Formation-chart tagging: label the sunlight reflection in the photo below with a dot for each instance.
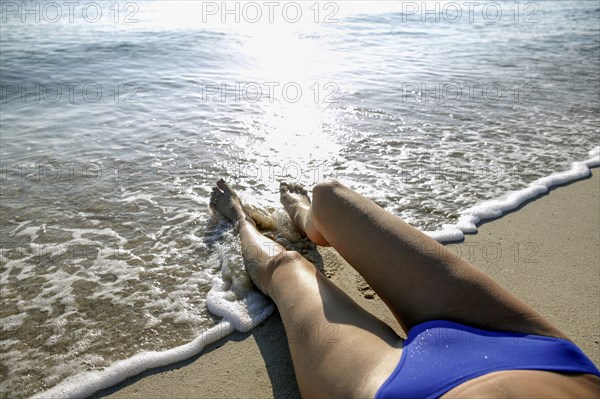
(287, 127)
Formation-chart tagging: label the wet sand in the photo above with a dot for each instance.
(547, 252)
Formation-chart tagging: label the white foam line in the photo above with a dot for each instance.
(470, 218)
(249, 310)
(86, 384)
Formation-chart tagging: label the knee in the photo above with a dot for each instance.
(325, 195)
(284, 268)
(325, 187)
(325, 191)
(284, 258)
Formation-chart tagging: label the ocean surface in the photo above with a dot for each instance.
(117, 118)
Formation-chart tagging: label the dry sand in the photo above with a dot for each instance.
(547, 252)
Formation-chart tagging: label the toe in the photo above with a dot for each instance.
(224, 186)
(283, 187)
(297, 188)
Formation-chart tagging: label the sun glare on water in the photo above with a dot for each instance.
(286, 75)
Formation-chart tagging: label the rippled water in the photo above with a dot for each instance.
(106, 249)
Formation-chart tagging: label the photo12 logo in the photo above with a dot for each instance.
(69, 12)
(68, 92)
(66, 172)
(252, 92)
(469, 92)
(470, 12)
(269, 11)
(271, 172)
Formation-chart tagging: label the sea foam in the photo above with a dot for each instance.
(495, 208)
(85, 384)
(242, 307)
(231, 297)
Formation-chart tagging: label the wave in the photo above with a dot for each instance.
(495, 208)
(244, 309)
(230, 297)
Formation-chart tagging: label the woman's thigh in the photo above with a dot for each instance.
(418, 278)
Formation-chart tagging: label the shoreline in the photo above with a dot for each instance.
(546, 251)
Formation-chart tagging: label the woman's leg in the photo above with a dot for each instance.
(418, 278)
(338, 349)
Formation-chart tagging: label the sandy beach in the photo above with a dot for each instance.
(547, 252)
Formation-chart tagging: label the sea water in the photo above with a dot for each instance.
(117, 118)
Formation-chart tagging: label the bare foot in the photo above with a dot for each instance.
(226, 202)
(297, 204)
(295, 201)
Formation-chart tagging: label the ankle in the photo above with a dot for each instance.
(301, 215)
(244, 220)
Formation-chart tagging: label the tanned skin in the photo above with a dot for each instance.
(416, 277)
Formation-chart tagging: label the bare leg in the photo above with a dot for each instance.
(418, 278)
(338, 349)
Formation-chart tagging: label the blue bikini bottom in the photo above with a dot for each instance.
(439, 355)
